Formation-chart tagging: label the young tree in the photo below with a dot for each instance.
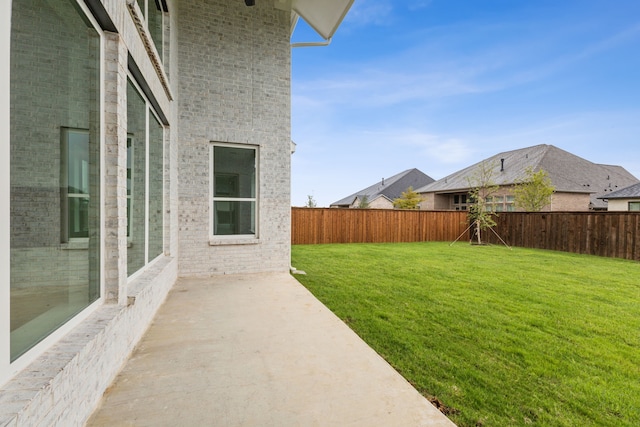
(533, 192)
(311, 202)
(364, 202)
(408, 200)
(482, 186)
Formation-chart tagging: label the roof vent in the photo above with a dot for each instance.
(382, 181)
(501, 165)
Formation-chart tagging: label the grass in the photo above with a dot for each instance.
(500, 337)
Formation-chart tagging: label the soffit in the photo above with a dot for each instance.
(323, 16)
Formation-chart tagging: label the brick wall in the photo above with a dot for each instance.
(234, 87)
(570, 202)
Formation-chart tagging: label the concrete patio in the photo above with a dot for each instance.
(257, 350)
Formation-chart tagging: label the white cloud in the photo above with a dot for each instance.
(385, 86)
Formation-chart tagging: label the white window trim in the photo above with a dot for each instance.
(5, 189)
(234, 239)
(148, 111)
(7, 368)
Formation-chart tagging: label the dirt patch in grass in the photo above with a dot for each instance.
(442, 407)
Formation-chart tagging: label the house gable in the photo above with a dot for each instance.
(391, 188)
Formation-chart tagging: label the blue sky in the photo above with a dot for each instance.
(439, 85)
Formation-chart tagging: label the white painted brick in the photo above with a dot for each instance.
(236, 89)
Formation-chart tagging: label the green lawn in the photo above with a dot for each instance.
(501, 337)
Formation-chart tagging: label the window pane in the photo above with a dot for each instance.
(75, 176)
(154, 21)
(155, 187)
(234, 217)
(142, 7)
(77, 161)
(78, 214)
(634, 206)
(136, 129)
(234, 165)
(55, 75)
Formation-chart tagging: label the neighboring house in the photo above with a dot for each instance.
(578, 183)
(141, 141)
(382, 194)
(624, 200)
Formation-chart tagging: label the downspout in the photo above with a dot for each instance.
(326, 42)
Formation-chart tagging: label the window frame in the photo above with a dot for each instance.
(460, 201)
(65, 195)
(234, 238)
(9, 368)
(149, 112)
(5, 193)
(148, 6)
(634, 203)
(130, 182)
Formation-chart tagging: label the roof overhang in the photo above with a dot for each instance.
(323, 16)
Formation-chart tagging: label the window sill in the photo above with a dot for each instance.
(217, 241)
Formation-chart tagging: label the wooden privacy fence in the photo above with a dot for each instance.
(607, 234)
(331, 225)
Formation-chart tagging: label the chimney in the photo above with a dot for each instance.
(501, 165)
(382, 181)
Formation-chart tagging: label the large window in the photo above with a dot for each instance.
(634, 206)
(234, 175)
(145, 176)
(55, 141)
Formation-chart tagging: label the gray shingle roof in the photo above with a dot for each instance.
(391, 188)
(631, 192)
(568, 172)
